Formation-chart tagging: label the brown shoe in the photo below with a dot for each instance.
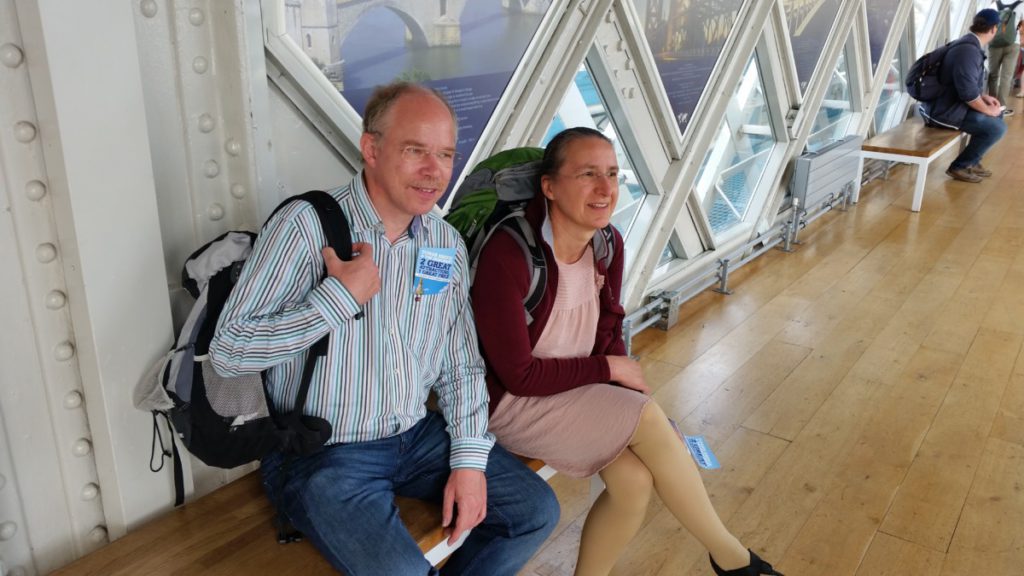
(979, 170)
(963, 175)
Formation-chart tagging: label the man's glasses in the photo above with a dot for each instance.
(417, 154)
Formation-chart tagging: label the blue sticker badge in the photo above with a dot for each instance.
(433, 271)
(698, 448)
(702, 452)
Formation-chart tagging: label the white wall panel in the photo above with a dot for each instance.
(93, 127)
(304, 160)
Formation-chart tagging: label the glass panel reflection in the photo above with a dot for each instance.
(881, 14)
(809, 25)
(956, 17)
(686, 38)
(736, 161)
(921, 24)
(465, 49)
(582, 106)
(885, 114)
(833, 120)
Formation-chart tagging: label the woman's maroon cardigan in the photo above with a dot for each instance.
(506, 341)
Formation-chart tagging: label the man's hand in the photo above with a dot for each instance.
(359, 276)
(627, 372)
(467, 489)
(990, 100)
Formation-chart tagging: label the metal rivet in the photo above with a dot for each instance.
(35, 190)
(11, 55)
(72, 399)
(216, 212)
(64, 351)
(8, 530)
(46, 252)
(200, 65)
(211, 168)
(90, 491)
(196, 17)
(238, 191)
(98, 534)
(231, 146)
(148, 8)
(82, 447)
(24, 132)
(206, 123)
(55, 300)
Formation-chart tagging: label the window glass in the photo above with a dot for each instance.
(582, 106)
(890, 98)
(465, 49)
(686, 38)
(881, 14)
(921, 23)
(833, 120)
(734, 165)
(667, 255)
(956, 17)
(809, 27)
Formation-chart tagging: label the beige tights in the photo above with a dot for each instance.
(656, 457)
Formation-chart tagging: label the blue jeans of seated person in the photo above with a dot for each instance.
(985, 131)
(342, 499)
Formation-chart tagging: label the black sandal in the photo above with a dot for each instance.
(757, 567)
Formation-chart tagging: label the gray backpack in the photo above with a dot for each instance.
(230, 421)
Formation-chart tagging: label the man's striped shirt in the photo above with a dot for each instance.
(379, 369)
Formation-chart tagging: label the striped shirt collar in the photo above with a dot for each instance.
(363, 215)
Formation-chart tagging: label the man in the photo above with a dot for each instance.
(1003, 51)
(963, 105)
(391, 343)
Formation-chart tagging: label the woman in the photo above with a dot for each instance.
(546, 376)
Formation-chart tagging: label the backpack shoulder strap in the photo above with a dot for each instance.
(604, 246)
(339, 237)
(332, 220)
(523, 234)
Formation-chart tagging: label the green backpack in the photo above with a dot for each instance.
(1006, 30)
(494, 196)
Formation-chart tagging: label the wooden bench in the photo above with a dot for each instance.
(230, 531)
(914, 143)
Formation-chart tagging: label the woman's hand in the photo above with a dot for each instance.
(627, 372)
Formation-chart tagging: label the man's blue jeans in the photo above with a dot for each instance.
(985, 131)
(342, 499)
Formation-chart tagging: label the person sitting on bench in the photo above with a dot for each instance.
(391, 348)
(963, 105)
(547, 377)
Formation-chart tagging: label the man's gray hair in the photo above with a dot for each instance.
(384, 97)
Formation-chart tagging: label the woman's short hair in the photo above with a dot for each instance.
(554, 152)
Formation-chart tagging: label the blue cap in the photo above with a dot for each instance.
(990, 17)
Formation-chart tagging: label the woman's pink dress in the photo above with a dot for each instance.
(580, 431)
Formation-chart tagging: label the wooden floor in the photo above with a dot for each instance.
(865, 395)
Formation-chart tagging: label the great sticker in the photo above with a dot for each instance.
(433, 270)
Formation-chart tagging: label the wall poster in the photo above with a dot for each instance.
(466, 49)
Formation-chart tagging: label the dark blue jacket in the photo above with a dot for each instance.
(963, 76)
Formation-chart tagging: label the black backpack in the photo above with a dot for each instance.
(227, 422)
(923, 77)
(494, 196)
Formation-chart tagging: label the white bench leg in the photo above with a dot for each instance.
(855, 197)
(922, 173)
